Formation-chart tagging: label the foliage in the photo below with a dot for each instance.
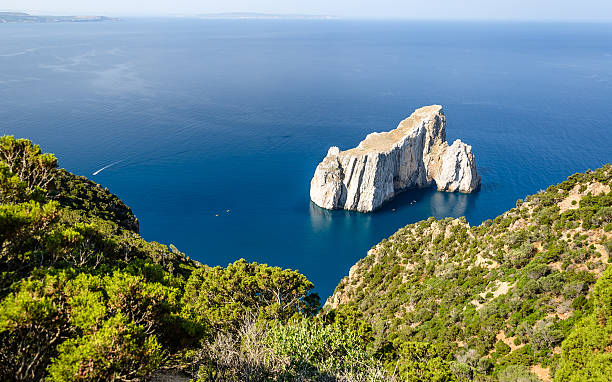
(84, 297)
(91, 200)
(224, 297)
(300, 350)
(118, 350)
(587, 354)
(516, 373)
(520, 280)
(349, 318)
(32, 324)
(421, 362)
(25, 167)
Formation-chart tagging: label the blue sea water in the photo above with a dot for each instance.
(213, 128)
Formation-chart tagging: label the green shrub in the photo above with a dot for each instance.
(118, 350)
(516, 373)
(225, 297)
(501, 348)
(299, 350)
(586, 351)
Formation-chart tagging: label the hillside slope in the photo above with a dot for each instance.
(497, 298)
(84, 298)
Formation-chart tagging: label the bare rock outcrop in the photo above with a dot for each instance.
(415, 154)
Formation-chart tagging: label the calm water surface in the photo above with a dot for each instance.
(198, 117)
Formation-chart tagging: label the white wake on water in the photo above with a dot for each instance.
(105, 167)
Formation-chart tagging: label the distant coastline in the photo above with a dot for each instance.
(20, 17)
(265, 16)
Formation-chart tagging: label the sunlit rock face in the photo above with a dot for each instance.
(415, 154)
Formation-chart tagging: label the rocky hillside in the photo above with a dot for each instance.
(497, 297)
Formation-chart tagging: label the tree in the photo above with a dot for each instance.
(223, 297)
(349, 318)
(120, 350)
(33, 321)
(26, 161)
(587, 351)
(421, 362)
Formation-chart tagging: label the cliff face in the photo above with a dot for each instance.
(415, 154)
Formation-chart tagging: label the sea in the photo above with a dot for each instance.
(210, 130)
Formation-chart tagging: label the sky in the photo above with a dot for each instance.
(546, 10)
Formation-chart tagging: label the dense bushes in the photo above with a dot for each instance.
(523, 277)
(84, 297)
(299, 350)
(118, 350)
(25, 171)
(108, 321)
(224, 297)
(587, 354)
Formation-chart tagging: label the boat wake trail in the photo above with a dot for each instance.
(146, 157)
(105, 167)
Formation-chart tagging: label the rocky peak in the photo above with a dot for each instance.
(415, 154)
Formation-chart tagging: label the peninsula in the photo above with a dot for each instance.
(20, 17)
(263, 16)
(413, 155)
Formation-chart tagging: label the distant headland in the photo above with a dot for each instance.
(266, 16)
(20, 17)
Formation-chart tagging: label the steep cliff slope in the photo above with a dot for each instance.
(84, 298)
(415, 154)
(499, 295)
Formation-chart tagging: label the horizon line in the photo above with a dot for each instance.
(296, 16)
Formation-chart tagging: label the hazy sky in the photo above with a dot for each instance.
(596, 10)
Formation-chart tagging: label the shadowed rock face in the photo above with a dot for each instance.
(415, 154)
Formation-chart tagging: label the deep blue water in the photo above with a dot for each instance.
(202, 116)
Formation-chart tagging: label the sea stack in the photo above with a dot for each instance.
(413, 155)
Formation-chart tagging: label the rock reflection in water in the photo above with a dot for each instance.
(444, 204)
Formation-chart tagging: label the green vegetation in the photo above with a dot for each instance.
(301, 350)
(84, 297)
(587, 351)
(503, 299)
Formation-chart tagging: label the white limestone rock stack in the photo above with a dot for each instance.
(415, 154)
